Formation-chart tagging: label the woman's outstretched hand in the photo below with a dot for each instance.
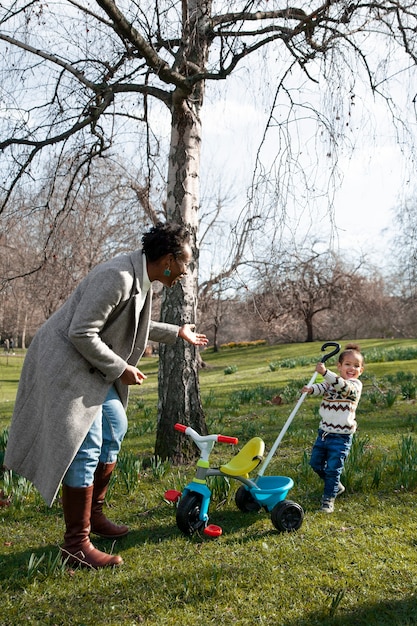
(187, 332)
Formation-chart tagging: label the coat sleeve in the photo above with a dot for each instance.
(103, 295)
(163, 333)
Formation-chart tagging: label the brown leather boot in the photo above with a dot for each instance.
(76, 502)
(100, 525)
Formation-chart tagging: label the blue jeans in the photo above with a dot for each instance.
(102, 442)
(328, 458)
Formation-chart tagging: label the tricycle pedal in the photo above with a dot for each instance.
(172, 495)
(213, 531)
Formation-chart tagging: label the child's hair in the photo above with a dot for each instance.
(350, 349)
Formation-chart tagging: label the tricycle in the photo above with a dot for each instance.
(268, 492)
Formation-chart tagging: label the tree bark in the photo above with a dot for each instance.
(179, 391)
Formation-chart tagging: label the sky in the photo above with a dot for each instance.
(376, 176)
(373, 185)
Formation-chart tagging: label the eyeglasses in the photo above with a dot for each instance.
(182, 265)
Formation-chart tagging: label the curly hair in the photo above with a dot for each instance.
(163, 239)
(350, 349)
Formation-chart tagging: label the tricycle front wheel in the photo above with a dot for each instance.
(188, 513)
(287, 516)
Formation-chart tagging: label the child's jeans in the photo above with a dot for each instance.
(102, 442)
(328, 458)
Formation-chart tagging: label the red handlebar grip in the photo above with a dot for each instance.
(224, 439)
(181, 427)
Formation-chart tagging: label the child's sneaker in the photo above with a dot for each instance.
(340, 489)
(327, 505)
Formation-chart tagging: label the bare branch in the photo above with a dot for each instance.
(50, 57)
(143, 195)
(129, 33)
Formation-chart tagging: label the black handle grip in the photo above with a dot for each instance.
(326, 345)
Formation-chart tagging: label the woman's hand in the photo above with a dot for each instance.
(132, 376)
(188, 333)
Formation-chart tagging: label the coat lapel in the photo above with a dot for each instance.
(144, 311)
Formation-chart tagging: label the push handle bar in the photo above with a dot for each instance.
(278, 440)
(326, 345)
(194, 435)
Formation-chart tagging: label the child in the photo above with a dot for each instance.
(341, 394)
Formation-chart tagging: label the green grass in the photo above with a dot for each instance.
(355, 567)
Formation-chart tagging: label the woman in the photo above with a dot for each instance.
(69, 418)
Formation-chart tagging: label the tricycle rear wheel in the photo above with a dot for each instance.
(245, 501)
(287, 516)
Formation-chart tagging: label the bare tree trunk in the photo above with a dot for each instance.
(215, 345)
(23, 332)
(310, 328)
(179, 394)
(179, 391)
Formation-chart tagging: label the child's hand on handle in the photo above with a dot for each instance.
(321, 368)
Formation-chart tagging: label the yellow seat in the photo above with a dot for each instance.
(246, 460)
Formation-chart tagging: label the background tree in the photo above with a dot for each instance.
(372, 311)
(78, 80)
(302, 285)
(404, 248)
(48, 254)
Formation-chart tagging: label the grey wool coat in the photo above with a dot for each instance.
(73, 360)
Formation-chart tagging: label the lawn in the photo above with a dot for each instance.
(355, 567)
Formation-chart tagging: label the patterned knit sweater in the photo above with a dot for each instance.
(338, 407)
